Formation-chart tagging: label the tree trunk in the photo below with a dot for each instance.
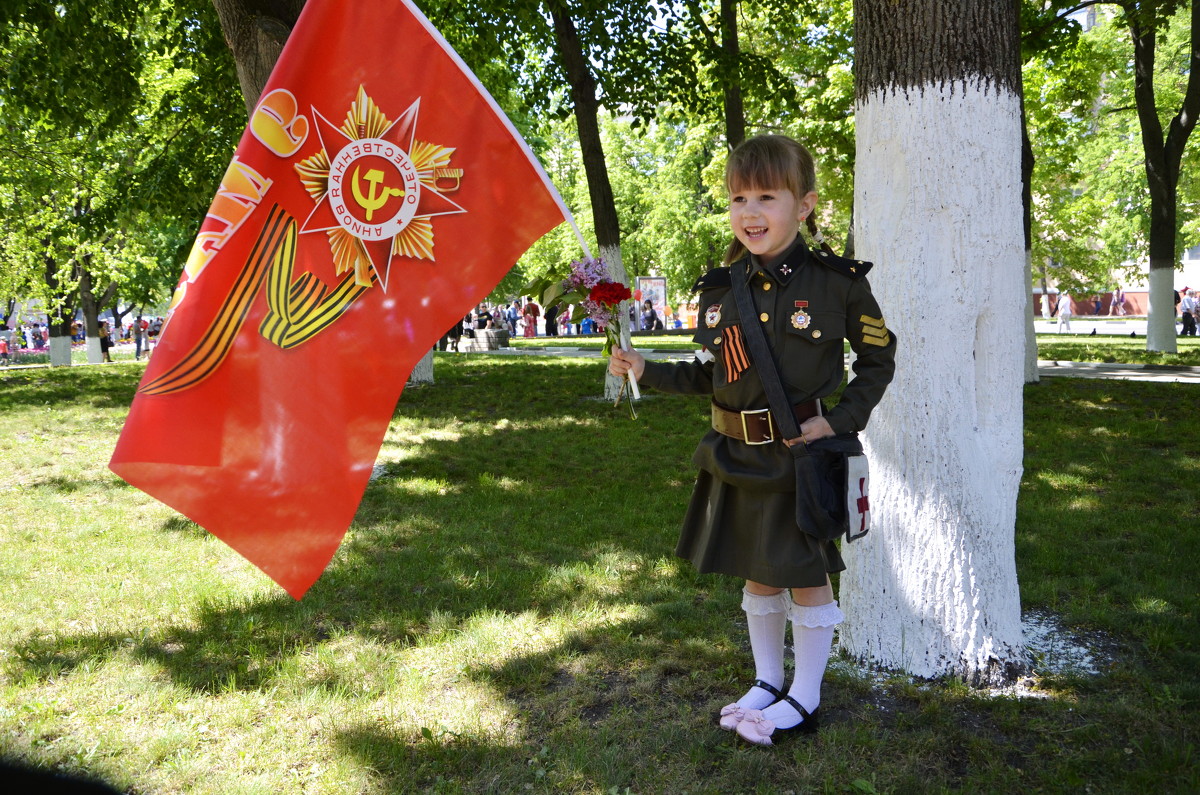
(255, 31)
(735, 114)
(587, 110)
(91, 305)
(933, 589)
(1163, 157)
(1027, 163)
(1031, 352)
(61, 314)
(91, 317)
(422, 372)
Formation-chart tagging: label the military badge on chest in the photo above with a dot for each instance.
(712, 316)
(800, 318)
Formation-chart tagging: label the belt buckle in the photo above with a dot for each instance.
(770, 426)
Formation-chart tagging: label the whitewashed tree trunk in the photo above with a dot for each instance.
(1160, 324)
(1031, 351)
(94, 354)
(60, 351)
(616, 269)
(422, 372)
(933, 589)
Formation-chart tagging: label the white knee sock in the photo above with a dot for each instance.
(766, 617)
(812, 637)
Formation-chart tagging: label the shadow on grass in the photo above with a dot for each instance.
(511, 509)
(493, 532)
(182, 524)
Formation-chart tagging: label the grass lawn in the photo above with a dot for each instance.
(1110, 350)
(506, 614)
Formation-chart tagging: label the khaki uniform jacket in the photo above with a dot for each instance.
(807, 304)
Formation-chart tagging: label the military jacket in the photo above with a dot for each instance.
(807, 304)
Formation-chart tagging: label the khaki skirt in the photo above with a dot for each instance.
(754, 536)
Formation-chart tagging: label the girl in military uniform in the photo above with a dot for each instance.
(742, 517)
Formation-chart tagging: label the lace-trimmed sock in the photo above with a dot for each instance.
(766, 617)
(812, 634)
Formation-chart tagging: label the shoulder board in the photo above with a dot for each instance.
(717, 277)
(854, 268)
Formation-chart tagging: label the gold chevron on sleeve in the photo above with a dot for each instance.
(880, 340)
(874, 332)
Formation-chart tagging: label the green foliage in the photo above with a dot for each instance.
(114, 175)
(1091, 202)
(1062, 92)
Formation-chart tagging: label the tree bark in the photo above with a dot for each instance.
(735, 113)
(255, 31)
(1027, 163)
(933, 589)
(587, 111)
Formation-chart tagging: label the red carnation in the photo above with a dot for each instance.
(610, 293)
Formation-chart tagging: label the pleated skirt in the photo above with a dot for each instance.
(753, 536)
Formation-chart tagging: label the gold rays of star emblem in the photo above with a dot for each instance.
(377, 189)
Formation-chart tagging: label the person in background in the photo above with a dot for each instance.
(1064, 312)
(105, 341)
(1187, 309)
(482, 318)
(1118, 302)
(650, 321)
(512, 314)
(139, 337)
(530, 314)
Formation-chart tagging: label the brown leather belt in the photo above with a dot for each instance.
(756, 427)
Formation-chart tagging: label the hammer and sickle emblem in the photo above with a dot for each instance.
(375, 197)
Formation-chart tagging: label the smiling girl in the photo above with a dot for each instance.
(742, 516)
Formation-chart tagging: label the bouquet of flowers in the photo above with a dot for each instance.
(592, 291)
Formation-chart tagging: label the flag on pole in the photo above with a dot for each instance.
(377, 194)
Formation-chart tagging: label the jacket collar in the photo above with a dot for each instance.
(784, 267)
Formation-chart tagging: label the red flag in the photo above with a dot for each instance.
(377, 194)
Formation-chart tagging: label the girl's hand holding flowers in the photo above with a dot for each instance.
(628, 362)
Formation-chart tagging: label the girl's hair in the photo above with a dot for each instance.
(770, 162)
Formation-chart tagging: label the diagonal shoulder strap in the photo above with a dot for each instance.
(761, 355)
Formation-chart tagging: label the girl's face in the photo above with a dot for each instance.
(767, 221)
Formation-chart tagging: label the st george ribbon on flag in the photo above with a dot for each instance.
(377, 194)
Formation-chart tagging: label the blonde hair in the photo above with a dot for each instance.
(769, 162)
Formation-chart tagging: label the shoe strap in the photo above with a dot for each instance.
(804, 714)
(774, 691)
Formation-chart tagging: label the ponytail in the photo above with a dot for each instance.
(817, 237)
